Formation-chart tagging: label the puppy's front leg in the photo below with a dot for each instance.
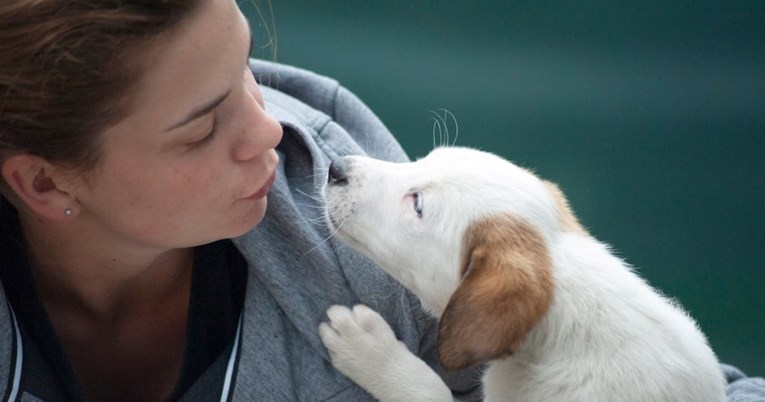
(364, 348)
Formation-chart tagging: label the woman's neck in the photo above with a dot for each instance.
(111, 302)
(102, 279)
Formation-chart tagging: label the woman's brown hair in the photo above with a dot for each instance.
(67, 68)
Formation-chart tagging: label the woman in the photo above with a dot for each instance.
(134, 142)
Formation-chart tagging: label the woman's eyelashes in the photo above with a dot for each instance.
(209, 136)
(211, 133)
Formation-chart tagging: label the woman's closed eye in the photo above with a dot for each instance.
(209, 136)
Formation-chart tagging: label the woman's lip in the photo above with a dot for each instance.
(263, 190)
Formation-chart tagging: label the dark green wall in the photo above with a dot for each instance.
(649, 114)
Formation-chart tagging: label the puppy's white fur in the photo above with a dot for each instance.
(495, 253)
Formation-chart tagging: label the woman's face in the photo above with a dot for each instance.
(194, 160)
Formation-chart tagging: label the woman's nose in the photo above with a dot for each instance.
(260, 132)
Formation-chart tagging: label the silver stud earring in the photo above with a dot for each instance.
(68, 212)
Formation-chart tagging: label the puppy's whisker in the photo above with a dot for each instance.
(309, 205)
(325, 239)
(316, 198)
(319, 171)
(320, 221)
(437, 127)
(437, 122)
(443, 127)
(451, 117)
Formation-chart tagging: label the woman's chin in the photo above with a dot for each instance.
(252, 217)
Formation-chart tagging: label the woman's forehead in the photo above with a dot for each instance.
(194, 63)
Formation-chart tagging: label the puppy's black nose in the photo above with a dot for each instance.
(338, 172)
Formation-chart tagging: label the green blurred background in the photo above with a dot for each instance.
(649, 114)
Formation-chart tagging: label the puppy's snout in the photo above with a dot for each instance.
(338, 172)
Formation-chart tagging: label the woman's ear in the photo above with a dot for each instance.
(30, 178)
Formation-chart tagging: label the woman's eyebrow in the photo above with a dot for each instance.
(209, 107)
(200, 111)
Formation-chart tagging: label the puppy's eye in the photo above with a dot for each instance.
(418, 204)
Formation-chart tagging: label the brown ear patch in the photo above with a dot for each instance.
(568, 220)
(506, 289)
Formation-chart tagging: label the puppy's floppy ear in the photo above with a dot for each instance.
(506, 289)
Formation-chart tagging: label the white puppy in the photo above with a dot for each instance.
(496, 254)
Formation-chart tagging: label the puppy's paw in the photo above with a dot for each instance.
(364, 348)
(358, 340)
